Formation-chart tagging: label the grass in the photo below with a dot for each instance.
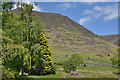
(59, 74)
(60, 56)
(84, 72)
(98, 72)
(89, 71)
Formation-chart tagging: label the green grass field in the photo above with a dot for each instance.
(84, 72)
(98, 70)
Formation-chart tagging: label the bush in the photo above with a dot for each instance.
(108, 54)
(66, 55)
(14, 56)
(58, 63)
(116, 60)
(72, 63)
(45, 50)
(84, 65)
(7, 74)
(68, 66)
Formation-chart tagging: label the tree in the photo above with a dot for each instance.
(24, 28)
(72, 63)
(31, 32)
(37, 60)
(14, 28)
(22, 32)
(14, 57)
(6, 6)
(68, 66)
(45, 50)
(76, 59)
(116, 60)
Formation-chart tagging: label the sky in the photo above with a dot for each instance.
(99, 17)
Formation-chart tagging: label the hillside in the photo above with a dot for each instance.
(115, 39)
(64, 33)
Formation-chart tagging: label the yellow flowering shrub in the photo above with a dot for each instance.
(48, 66)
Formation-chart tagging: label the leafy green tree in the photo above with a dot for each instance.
(45, 50)
(14, 28)
(68, 66)
(76, 59)
(13, 56)
(32, 29)
(37, 60)
(116, 60)
(6, 6)
(72, 63)
(24, 28)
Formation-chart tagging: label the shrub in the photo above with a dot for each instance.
(45, 50)
(116, 60)
(7, 74)
(58, 63)
(72, 63)
(68, 66)
(14, 56)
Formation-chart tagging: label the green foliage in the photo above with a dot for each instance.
(5, 14)
(76, 59)
(18, 31)
(45, 49)
(13, 56)
(68, 66)
(23, 29)
(7, 74)
(36, 54)
(7, 5)
(14, 28)
(116, 59)
(20, 42)
(37, 61)
(66, 55)
(26, 12)
(72, 63)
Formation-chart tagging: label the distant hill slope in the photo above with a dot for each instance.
(115, 39)
(65, 34)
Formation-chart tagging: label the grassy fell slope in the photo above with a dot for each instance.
(65, 34)
(67, 37)
(115, 39)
